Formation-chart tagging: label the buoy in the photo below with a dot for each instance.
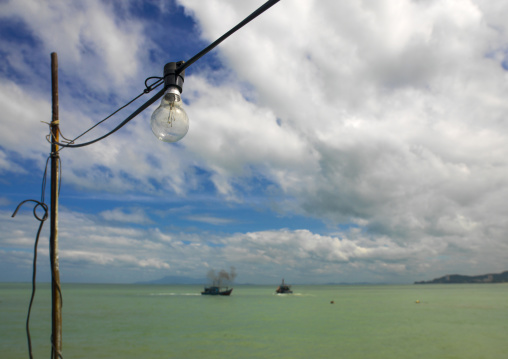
(417, 301)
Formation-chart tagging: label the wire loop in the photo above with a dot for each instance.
(45, 208)
(150, 88)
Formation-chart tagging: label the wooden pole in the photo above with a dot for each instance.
(56, 312)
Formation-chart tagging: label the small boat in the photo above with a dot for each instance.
(217, 290)
(283, 288)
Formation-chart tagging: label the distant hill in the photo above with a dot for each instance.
(175, 280)
(457, 278)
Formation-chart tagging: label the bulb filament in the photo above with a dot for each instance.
(171, 116)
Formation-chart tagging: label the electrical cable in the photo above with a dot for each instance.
(98, 123)
(148, 89)
(34, 269)
(156, 84)
(242, 23)
(123, 123)
(42, 219)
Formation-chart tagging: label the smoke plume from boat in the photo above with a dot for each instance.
(222, 278)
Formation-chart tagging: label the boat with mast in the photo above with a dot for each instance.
(283, 288)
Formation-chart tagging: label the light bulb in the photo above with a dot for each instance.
(169, 121)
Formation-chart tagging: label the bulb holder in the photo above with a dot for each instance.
(171, 78)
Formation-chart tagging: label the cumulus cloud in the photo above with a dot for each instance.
(385, 120)
(91, 45)
(107, 259)
(348, 256)
(135, 215)
(210, 219)
(388, 104)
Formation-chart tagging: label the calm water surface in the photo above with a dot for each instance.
(136, 321)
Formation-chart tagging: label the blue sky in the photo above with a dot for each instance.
(329, 141)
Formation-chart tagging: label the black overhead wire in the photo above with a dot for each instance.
(148, 89)
(159, 82)
(210, 47)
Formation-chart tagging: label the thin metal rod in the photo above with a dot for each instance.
(56, 308)
(210, 47)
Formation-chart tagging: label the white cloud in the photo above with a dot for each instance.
(390, 115)
(210, 219)
(90, 43)
(397, 108)
(103, 259)
(87, 246)
(22, 129)
(4, 201)
(135, 215)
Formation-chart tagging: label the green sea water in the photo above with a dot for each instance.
(154, 321)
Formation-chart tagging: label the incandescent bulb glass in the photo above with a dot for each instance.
(169, 121)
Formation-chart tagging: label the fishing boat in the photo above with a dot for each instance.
(283, 288)
(216, 289)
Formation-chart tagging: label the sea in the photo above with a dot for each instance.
(330, 321)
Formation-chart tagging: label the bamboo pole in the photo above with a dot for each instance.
(56, 309)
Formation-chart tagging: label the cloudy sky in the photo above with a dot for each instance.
(330, 141)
